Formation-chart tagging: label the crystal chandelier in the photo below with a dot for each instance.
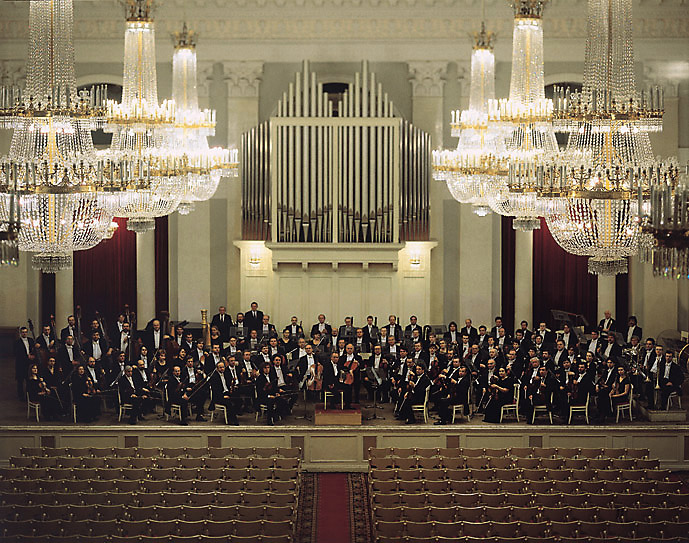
(609, 160)
(140, 124)
(666, 225)
(201, 167)
(476, 166)
(55, 194)
(527, 115)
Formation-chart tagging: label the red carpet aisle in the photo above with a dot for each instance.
(333, 508)
(333, 524)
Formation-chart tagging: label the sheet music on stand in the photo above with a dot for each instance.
(438, 329)
(573, 319)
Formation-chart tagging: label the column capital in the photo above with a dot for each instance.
(204, 77)
(427, 77)
(243, 78)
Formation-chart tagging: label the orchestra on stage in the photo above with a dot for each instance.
(247, 364)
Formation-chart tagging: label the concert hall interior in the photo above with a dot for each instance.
(344, 270)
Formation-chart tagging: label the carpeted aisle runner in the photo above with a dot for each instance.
(333, 508)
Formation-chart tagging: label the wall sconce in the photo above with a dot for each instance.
(254, 261)
(415, 261)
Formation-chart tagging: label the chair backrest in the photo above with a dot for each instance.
(631, 395)
(516, 394)
(428, 393)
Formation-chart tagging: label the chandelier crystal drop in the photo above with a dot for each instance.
(608, 167)
(472, 170)
(140, 125)
(52, 176)
(665, 225)
(200, 167)
(527, 118)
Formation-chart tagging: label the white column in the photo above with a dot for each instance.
(243, 80)
(606, 296)
(145, 277)
(523, 278)
(427, 83)
(64, 295)
(193, 262)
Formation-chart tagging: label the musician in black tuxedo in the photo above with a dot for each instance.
(453, 336)
(455, 385)
(331, 373)
(420, 355)
(569, 336)
(24, 354)
(223, 322)
(393, 329)
(347, 330)
(540, 391)
(548, 335)
(498, 325)
(482, 339)
(130, 395)
(583, 385)
(371, 332)
(155, 338)
(177, 394)
(611, 349)
(267, 330)
(295, 330)
(97, 348)
(595, 342)
(254, 317)
(268, 393)
(361, 345)
(633, 329)
(85, 397)
(193, 377)
(287, 381)
(69, 330)
(322, 327)
(413, 325)
(222, 389)
(469, 330)
(415, 396)
(375, 376)
(607, 323)
(142, 383)
(670, 378)
(603, 388)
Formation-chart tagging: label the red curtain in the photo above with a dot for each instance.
(161, 265)
(105, 276)
(560, 280)
(508, 289)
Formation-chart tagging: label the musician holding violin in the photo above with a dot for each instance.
(268, 393)
(415, 394)
(177, 393)
(39, 392)
(85, 396)
(194, 380)
(454, 390)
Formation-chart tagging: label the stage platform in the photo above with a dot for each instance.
(339, 447)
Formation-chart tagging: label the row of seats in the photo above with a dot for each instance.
(515, 452)
(149, 485)
(149, 539)
(170, 452)
(530, 514)
(143, 499)
(555, 499)
(150, 512)
(507, 462)
(148, 527)
(151, 462)
(578, 529)
(233, 474)
(511, 474)
(525, 486)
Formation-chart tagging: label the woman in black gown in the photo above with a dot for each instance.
(84, 396)
(40, 393)
(501, 393)
(619, 394)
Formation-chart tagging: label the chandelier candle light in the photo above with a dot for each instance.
(527, 116)
(55, 194)
(140, 126)
(473, 169)
(200, 167)
(605, 175)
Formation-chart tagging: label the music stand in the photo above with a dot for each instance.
(239, 333)
(375, 387)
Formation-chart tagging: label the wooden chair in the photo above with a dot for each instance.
(327, 394)
(512, 407)
(218, 408)
(175, 409)
(36, 406)
(580, 409)
(621, 408)
(460, 407)
(423, 408)
(123, 407)
(543, 409)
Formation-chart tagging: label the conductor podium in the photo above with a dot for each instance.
(337, 417)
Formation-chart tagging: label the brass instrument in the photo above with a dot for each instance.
(205, 329)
